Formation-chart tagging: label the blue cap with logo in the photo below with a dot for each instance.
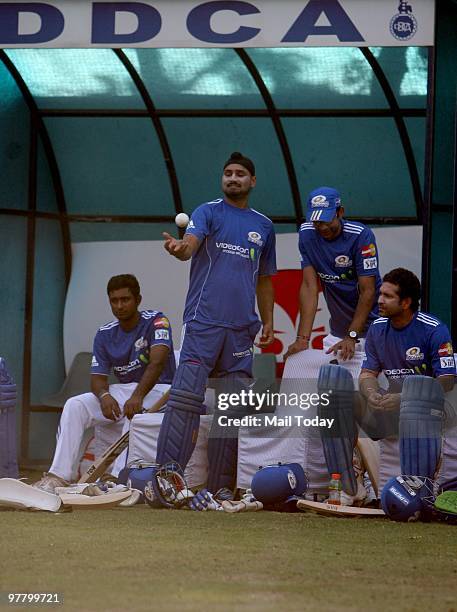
(323, 203)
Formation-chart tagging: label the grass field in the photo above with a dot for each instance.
(143, 559)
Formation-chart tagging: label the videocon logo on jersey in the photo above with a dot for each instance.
(234, 249)
(252, 254)
(336, 278)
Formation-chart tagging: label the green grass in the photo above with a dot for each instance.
(143, 559)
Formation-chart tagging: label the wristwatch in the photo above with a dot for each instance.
(353, 335)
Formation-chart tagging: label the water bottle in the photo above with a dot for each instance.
(334, 490)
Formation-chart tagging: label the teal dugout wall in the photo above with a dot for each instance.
(99, 144)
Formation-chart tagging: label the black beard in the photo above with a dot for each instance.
(236, 196)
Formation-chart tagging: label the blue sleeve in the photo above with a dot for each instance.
(371, 361)
(200, 222)
(267, 264)
(304, 259)
(366, 255)
(159, 332)
(101, 363)
(441, 352)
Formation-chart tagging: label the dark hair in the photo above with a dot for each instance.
(124, 281)
(239, 158)
(408, 285)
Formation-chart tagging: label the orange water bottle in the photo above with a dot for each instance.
(334, 490)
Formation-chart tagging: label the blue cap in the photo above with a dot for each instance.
(323, 203)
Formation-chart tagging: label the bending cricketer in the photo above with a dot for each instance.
(343, 255)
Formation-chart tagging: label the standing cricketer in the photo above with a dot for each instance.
(233, 256)
(343, 255)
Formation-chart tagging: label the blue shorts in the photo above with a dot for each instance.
(220, 350)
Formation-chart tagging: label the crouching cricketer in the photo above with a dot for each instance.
(233, 256)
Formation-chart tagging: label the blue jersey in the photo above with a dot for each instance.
(423, 347)
(127, 353)
(339, 263)
(237, 246)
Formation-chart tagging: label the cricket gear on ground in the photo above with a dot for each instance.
(108, 495)
(108, 499)
(136, 497)
(325, 509)
(167, 487)
(127, 353)
(179, 430)
(237, 246)
(423, 347)
(247, 503)
(136, 475)
(445, 507)
(8, 399)
(203, 501)
(421, 425)
(49, 482)
(277, 484)
(339, 441)
(21, 496)
(408, 498)
(82, 412)
(339, 263)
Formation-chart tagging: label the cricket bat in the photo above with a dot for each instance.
(325, 509)
(112, 452)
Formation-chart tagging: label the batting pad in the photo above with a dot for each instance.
(21, 496)
(144, 433)
(339, 442)
(421, 425)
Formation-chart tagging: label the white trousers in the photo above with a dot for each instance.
(82, 412)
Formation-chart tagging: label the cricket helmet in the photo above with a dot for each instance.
(408, 498)
(279, 484)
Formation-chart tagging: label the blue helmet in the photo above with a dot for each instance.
(279, 484)
(161, 485)
(408, 498)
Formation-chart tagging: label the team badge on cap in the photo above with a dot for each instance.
(323, 204)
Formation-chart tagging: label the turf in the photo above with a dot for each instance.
(143, 559)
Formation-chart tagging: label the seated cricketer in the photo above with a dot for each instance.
(414, 351)
(138, 347)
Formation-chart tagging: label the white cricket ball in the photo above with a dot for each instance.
(182, 220)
